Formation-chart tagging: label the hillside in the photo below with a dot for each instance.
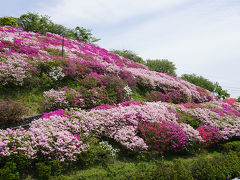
(94, 101)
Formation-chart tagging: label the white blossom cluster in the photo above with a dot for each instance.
(109, 148)
(128, 91)
(56, 73)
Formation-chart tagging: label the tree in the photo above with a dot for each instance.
(43, 24)
(80, 33)
(199, 81)
(221, 94)
(8, 21)
(162, 65)
(206, 84)
(129, 55)
(238, 99)
(29, 21)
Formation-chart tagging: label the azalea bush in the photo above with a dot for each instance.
(55, 99)
(210, 135)
(11, 112)
(172, 96)
(163, 137)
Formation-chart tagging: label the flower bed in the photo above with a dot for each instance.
(62, 134)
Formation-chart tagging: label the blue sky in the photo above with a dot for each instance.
(199, 36)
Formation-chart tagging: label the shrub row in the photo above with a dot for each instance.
(97, 161)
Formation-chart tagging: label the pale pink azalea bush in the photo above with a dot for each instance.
(55, 99)
(15, 69)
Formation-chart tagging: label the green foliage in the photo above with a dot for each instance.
(43, 170)
(163, 66)
(203, 169)
(8, 21)
(199, 81)
(238, 99)
(129, 55)
(189, 119)
(9, 172)
(115, 88)
(206, 84)
(96, 154)
(80, 33)
(221, 94)
(232, 146)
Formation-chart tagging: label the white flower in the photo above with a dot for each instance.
(128, 90)
(56, 73)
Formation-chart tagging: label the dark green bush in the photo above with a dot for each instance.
(203, 169)
(43, 171)
(9, 172)
(8, 21)
(95, 154)
(232, 146)
(232, 164)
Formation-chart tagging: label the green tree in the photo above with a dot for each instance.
(129, 55)
(8, 21)
(220, 93)
(199, 81)
(206, 84)
(162, 65)
(29, 21)
(80, 33)
(43, 24)
(238, 99)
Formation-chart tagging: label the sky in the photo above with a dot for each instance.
(198, 36)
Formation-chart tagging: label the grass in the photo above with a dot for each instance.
(129, 168)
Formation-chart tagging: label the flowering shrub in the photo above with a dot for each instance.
(59, 112)
(11, 112)
(230, 101)
(128, 78)
(74, 98)
(124, 104)
(55, 99)
(74, 68)
(164, 136)
(210, 135)
(136, 126)
(172, 96)
(92, 80)
(15, 70)
(115, 88)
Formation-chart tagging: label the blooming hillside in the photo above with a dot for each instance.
(90, 91)
(25, 55)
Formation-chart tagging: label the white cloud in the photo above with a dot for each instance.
(105, 11)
